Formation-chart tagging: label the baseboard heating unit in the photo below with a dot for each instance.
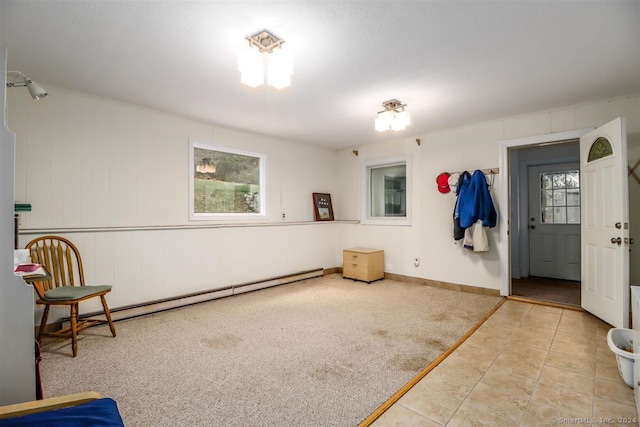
(136, 310)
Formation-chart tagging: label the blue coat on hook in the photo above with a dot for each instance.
(475, 203)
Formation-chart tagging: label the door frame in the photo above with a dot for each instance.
(506, 170)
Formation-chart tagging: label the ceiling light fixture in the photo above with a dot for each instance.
(393, 116)
(265, 48)
(23, 81)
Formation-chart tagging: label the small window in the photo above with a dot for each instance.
(599, 149)
(387, 192)
(560, 197)
(225, 183)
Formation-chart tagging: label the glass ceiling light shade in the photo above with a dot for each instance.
(279, 69)
(23, 81)
(393, 116)
(251, 67)
(263, 48)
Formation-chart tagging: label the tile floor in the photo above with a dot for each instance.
(527, 365)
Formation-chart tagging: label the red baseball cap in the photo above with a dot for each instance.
(443, 182)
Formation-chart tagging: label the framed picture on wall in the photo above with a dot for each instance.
(322, 207)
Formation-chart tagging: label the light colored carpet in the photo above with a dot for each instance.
(320, 352)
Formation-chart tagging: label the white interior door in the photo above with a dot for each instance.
(554, 221)
(605, 223)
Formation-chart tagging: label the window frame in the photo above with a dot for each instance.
(212, 216)
(553, 189)
(366, 217)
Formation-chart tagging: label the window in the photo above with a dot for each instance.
(225, 183)
(387, 192)
(560, 197)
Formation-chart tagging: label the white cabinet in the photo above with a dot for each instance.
(17, 345)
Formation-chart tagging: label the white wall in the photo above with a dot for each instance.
(470, 147)
(84, 161)
(97, 170)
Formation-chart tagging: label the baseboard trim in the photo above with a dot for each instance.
(438, 284)
(143, 309)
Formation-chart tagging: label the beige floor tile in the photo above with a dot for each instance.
(515, 306)
(527, 338)
(453, 380)
(482, 355)
(580, 363)
(572, 337)
(430, 403)
(617, 413)
(571, 380)
(553, 402)
(471, 415)
(399, 416)
(616, 391)
(507, 402)
(566, 347)
(526, 362)
(534, 329)
(607, 371)
(497, 377)
(541, 308)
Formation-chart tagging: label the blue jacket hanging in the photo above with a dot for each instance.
(475, 203)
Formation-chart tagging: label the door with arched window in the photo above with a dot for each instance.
(605, 223)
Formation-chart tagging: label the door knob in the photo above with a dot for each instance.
(616, 240)
(618, 225)
(631, 242)
(532, 226)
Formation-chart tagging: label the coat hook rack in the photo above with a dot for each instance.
(490, 171)
(355, 152)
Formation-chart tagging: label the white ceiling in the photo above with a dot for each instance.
(452, 62)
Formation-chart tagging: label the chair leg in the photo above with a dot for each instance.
(108, 314)
(43, 323)
(74, 330)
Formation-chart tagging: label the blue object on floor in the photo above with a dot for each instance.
(96, 413)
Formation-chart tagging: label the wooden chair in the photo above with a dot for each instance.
(65, 287)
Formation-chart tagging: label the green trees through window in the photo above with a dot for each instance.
(225, 182)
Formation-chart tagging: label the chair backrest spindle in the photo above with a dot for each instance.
(61, 258)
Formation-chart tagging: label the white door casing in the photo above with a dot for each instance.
(507, 202)
(554, 248)
(605, 223)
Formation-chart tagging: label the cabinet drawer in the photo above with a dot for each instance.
(350, 256)
(355, 270)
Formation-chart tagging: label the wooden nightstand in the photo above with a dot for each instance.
(363, 264)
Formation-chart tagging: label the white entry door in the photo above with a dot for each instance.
(605, 223)
(554, 221)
